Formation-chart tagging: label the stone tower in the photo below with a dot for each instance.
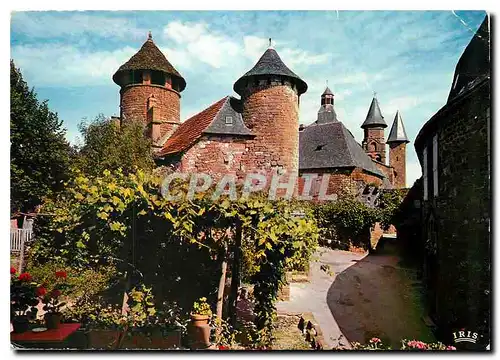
(150, 90)
(270, 94)
(397, 141)
(374, 139)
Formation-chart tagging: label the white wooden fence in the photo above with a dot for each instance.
(19, 238)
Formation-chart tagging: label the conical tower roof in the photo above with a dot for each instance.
(374, 116)
(398, 132)
(270, 63)
(149, 57)
(327, 91)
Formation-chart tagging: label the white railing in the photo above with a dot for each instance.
(19, 238)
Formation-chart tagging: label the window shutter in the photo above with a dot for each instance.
(424, 173)
(435, 164)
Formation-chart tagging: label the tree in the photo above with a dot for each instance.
(39, 151)
(109, 146)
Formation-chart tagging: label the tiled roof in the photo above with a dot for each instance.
(270, 63)
(374, 116)
(209, 121)
(191, 129)
(331, 145)
(149, 57)
(398, 132)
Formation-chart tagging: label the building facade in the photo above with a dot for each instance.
(453, 148)
(258, 133)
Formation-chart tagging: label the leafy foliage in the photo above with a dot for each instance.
(110, 146)
(201, 307)
(122, 217)
(345, 222)
(23, 296)
(39, 152)
(389, 203)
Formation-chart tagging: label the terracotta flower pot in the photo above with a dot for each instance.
(20, 324)
(52, 320)
(199, 331)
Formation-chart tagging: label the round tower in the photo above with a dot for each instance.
(150, 90)
(270, 94)
(373, 126)
(397, 141)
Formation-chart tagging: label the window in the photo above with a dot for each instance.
(435, 164)
(229, 120)
(424, 173)
(319, 147)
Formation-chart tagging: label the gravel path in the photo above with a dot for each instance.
(360, 296)
(311, 296)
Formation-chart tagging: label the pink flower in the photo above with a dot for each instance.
(451, 348)
(417, 344)
(375, 340)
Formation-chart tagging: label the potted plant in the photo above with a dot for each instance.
(150, 328)
(52, 304)
(23, 300)
(200, 330)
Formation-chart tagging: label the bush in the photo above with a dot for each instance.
(86, 282)
(345, 223)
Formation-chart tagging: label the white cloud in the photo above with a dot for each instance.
(196, 40)
(66, 66)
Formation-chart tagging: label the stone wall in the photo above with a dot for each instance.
(134, 104)
(214, 155)
(457, 221)
(271, 112)
(397, 160)
(340, 181)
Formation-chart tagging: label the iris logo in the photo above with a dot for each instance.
(465, 336)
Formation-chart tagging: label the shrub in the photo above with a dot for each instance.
(345, 222)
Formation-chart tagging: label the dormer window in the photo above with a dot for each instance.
(319, 147)
(229, 120)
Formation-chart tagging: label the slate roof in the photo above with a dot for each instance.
(331, 145)
(270, 63)
(475, 63)
(374, 116)
(209, 121)
(398, 132)
(326, 114)
(149, 57)
(327, 91)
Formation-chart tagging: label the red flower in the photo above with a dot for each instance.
(55, 293)
(222, 347)
(25, 277)
(41, 291)
(12, 270)
(61, 274)
(375, 340)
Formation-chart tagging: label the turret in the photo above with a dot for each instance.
(326, 112)
(373, 126)
(397, 141)
(150, 90)
(270, 94)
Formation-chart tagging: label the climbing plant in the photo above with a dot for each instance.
(123, 217)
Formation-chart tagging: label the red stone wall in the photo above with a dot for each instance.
(340, 181)
(374, 143)
(271, 112)
(387, 170)
(397, 159)
(134, 104)
(214, 155)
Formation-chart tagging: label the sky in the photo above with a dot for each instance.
(407, 57)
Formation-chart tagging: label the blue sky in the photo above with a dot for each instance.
(408, 58)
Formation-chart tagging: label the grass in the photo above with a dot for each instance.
(287, 334)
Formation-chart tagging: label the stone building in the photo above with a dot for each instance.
(453, 148)
(258, 133)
